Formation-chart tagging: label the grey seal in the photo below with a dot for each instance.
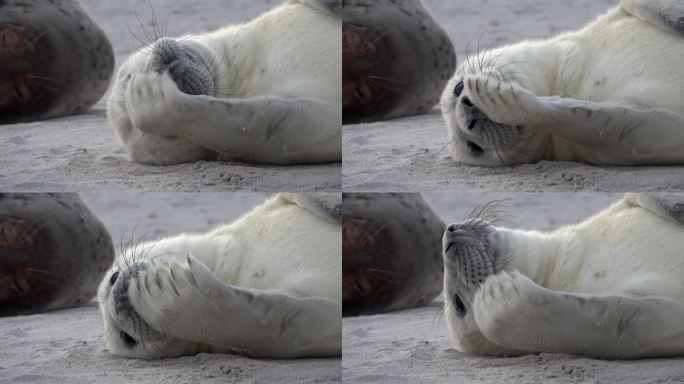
(391, 255)
(54, 252)
(54, 60)
(396, 59)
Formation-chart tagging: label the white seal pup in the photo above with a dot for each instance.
(267, 91)
(609, 287)
(267, 285)
(608, 94)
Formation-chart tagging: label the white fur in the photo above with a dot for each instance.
(276, 97)
(610, 93)
(609, 287)
(266, 285)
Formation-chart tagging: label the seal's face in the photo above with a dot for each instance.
(475, 139)
(372, 79)
(126, 333)
(28, 85)
(472, 252)
(189, 63)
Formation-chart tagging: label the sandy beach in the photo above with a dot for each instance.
(82, 153)
(413, 346)
(410, 154)
(67, 346)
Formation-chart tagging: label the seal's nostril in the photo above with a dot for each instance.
(466, 101)
(451, 228)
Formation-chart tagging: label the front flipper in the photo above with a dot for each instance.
(668, 205)
(619, 133)
(185, 300)
(513, 311)
(272, 129)
(504, 102)
(665, 14)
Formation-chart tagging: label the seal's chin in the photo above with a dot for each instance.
(489, 144)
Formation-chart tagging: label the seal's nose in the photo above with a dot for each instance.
(166, 51)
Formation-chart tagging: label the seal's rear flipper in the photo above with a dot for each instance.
(327, 205)
(668, 205)
(332, 6)
(665, 14)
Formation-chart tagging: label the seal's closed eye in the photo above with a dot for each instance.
(112, 279)
(459, 89)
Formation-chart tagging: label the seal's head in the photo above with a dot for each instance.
(396, 60)
(189, 63)
(373, 81)
(25, 280)
(474, 139)
(126, 333)
(472, 252)
(367, 278)
(29, 84)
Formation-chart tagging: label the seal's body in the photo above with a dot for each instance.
(53, 252)
(609, 287)
(396, 60)
(266, 285)
(267, 91)
(391, 258)
(606, 94)
(54, 60)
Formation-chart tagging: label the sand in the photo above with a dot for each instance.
(413, 346)
(67, 346)
(410, 154)
(82, 153)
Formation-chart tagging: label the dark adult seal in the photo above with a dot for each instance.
(391, 253)
(54, 60)
(396, 59)
(53, 252)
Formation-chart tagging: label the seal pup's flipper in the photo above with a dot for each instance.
(668, 205)
(326, 205)
(273, 128)
(622, 126)
(332, 6)
(186, 300)
(665, 14)
(513, 311)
